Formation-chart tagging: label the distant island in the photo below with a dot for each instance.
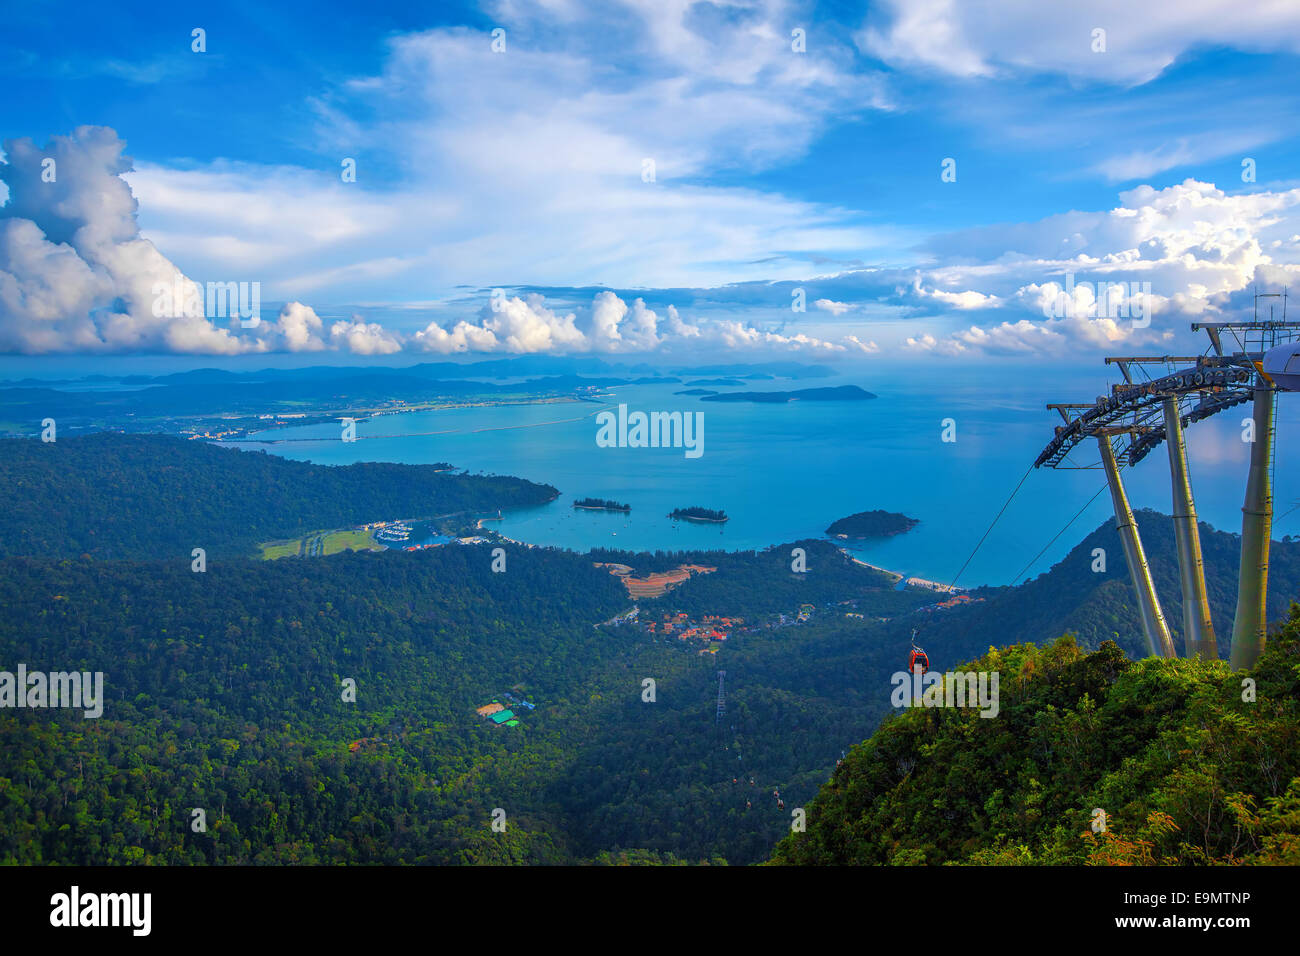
(725, 382)
(842, 393)
(872, 524)
(696, 513)
(696, 391)
(600, 504)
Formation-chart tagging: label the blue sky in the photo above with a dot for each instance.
(524, 169)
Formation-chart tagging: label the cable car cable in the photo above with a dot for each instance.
(953, 583)
(1058, 534)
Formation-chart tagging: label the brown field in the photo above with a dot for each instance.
(655, 585)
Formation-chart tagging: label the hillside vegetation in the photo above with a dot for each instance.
(1185, 770)
(144, 496)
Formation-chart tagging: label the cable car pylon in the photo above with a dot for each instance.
(1139, 414)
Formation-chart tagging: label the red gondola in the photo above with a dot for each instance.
(917, 657)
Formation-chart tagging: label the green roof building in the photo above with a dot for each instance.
(501, 716)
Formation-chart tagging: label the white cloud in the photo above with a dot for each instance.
(831, 306)
(76, 275)
(364, 338)
(74, 272)
(1144, 163)
(1172, 255)
(735, 334)
(608, 325)
(870, 348)
(980, 38)
(300, 328)
(514, 324)
(967, 299)
(680, 328)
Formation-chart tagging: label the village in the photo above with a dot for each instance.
(707, 634)
(711, 631)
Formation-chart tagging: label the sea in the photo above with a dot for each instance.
(948, 449)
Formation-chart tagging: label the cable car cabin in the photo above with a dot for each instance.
(1281, 366)
(918, 659)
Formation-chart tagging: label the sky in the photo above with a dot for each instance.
(917, 181)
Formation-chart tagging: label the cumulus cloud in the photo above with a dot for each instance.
(364, 338)
(736, 334)
(1137, 273)
(609, 325)
(831, 306)
(77, 275)
(300, 327)
(680, 328)
(464, 337)
(520, 325)
(966, 299)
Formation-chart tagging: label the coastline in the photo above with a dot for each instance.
(523, 544)
(909, 579)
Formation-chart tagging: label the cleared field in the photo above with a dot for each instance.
(330, 542)
(288, 549)
(654, 585)
(350, 541)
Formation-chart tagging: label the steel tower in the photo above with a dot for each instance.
(1147, 409)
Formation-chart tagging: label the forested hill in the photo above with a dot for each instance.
(1187, 767)
(148, 496)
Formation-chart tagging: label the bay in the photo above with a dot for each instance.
(784, 472)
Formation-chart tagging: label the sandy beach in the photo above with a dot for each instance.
(911, 579)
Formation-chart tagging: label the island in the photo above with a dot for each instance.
(724, 382)
(696, 391)
(841, 393)
(600, 504)
(872, 524)
(696, 513)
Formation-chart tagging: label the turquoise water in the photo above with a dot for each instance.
(784, 472)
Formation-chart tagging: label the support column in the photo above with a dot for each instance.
(1248, 627)
(1159, 643)
(1198, 627)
